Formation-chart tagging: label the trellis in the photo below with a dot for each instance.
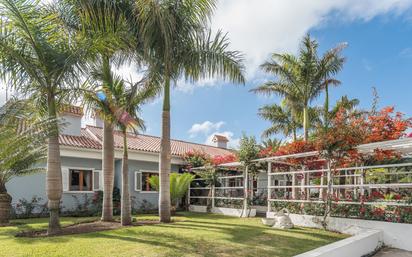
(358, 175)
(214, 192)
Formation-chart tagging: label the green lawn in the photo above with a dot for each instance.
(190, 235)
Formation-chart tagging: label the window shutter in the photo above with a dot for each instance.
(137, 181)
(65, 179)
(97, 180)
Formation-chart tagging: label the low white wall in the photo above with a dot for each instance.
(397, 235)
(198, 208)
(234, 212)
(356, 246)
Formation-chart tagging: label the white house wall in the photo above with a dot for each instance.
(27, 187)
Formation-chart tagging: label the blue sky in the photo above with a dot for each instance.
(379, 54)
(379, 34)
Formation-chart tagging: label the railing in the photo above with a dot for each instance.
(213, 193)
(388, 185)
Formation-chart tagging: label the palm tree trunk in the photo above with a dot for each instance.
(126, 212)
(108, 171)
(5, 204)
(305, 122)
(54, 186)
(326, 114)
(165, 158)
(294, 135)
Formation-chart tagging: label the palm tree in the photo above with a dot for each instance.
(22, 144)
(331, 63)
(346, 103)
(273, 144)
(301, 78)
(128, 101)
(177, 44)
(282, 120)
(106, 26)
(41, 61)
(179, 184)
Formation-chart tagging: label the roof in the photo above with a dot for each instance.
(72, 109)
(82, 141)
(92, 137)
(220, 138)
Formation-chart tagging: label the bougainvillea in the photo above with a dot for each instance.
(386, 125)
(220, 159)
(196, 159)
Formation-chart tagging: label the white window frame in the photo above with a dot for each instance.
(80, 168)
(135, 184)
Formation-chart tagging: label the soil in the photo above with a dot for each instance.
(82, 228)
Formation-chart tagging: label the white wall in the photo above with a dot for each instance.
(397, 235)
(355, 246)
(71, 125)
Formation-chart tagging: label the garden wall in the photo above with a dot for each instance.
(361, 244)
(395, 235)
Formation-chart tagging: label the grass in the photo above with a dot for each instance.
(190, 235)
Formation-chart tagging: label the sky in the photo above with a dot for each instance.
(379, 54)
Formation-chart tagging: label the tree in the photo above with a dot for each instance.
(107, 27)
(128, 103)
(301, 78)
(178, 44)
(22, 144)
(282, 120)
(41, 61)
(179, 184)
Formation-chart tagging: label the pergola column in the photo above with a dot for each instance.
(245, 194)
(269, 185)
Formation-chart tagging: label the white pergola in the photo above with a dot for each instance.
(357, 175)
(212, 188)
(402, 146)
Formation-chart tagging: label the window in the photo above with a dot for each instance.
(142, 181)
(235, 182)
(80, 180)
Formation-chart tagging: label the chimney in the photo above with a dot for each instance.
(220, 141)
(72, 119)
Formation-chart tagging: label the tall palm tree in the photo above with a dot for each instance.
(121, 102)
(346, 103)
(178, 44)
(22, 144)
(106, 26)
(42, 61)
(273, 144)
(331, 63)
(301, 78)
(282, 119)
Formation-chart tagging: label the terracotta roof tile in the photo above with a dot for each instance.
(152, 144)
(82, 141)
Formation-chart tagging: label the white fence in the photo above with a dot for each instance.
(384, 185)
(232, 189)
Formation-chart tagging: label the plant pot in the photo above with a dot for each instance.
(5, 208)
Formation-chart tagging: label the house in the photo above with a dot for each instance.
(81, 160)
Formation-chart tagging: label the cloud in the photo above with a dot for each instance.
(204, 128)
(406, 52)
(258, 28)
(233, 142)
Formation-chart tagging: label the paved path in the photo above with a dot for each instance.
(391, 252)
